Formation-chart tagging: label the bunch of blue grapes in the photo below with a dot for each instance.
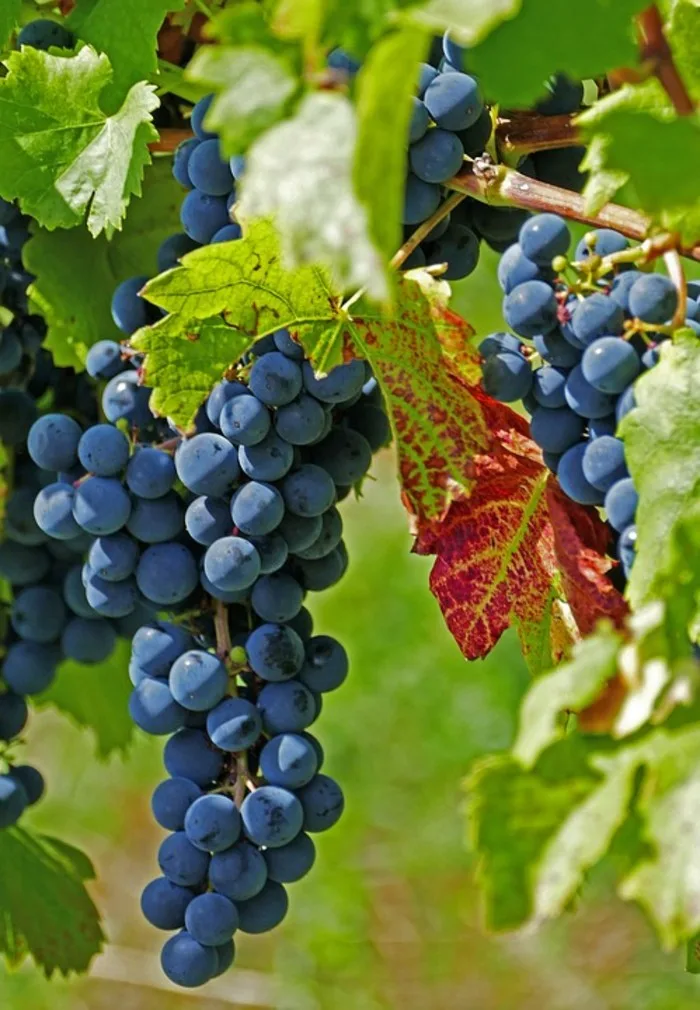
(589, 341)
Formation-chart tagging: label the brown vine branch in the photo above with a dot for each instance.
(527, 132)
(676, 273)
(654, 48)
(504, 187)
(169, 139)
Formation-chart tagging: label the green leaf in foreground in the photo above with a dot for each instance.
(63, 157)
(9, 16)
(469, 20)
(75, 275)
(126, 30)
(45, 909)
(301, 173)
(387, 81)
(662, 448)
(96, 697)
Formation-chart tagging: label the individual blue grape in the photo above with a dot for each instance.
(173, 248)
(321, 573)
(38, 614)
(269, 460)
(300, 532)
(476, 137)
(101, 505)
(207, 464)
(271, 816)
(556, 430)
(10, 351)
(163, 903)
(170, 802)
(585, 399)
(507, 376)
(276, 598)
(275, 652)
(208, 519)
(604, 462)
(564, 96)
(287, 345)
(301, 422)
(17, 414)
(325, 666)
(653, 298)
(308, 491)
(88, 641)
(344, 454)
(111, 599)
(610, 364)
(291, 862)
(198, 680)
(53, 442)
(421, 199)
(454, 101)
(287, 707)
(454, 53)
(202, 215)
(181, 160)
(459, 248)
(596, 316)
(213, 823)
(573, 480)
(156, 520)
(113, 557)
(20, 524)
(627, 548)
(153, 708)
(275, 379)
(13, 800)
(621, 287)
(515, 268)
(199, 112)
(496, 342)
(29, 667)
(257, 508)
(437, 156)
(621, 504)
(263, 345)
(229, 233)
(103, 450)
(155, 647)
(426, 74)
(220, 395)
(22, 565)
(31, 780)
(13, 715)
(186, 962)
(288, 760)
(599, 426)
(420, 121)
(42, 33)
(129, 310)
(104, 360)
(74, 593)
(167, 573)
(234, 724)
(227, 596)
(604, 242)
(211, 919)
(232, 564)
(239, 872)
(273, 551)
(181, 862)
(328, 539)
(340, 384)
(338, 59)
(371, 422)
(189, 754)
(52, 515)
(543, 237)
(244, 419)
(207, 170)
(150, 473)
(497, 224)
(265, 911)
(124, 399)
(548, 386)
(531, 309)
(625, 403)
(322, 802)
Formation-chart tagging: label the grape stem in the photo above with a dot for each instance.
(676, 273)
(424, 229)
(519, 133)
(504, 187)
(655, 49)
(223, 651)
(169, 139)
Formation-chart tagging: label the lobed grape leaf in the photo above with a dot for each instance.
(96, 698)
(127, 31)
(386, 81)
(9, 17)
(469, 21)
(353, 27)
(662, 448)
(45, 909)
(315, 205)
(522, 51)
(75, 275)
(63, 157)
(682, 31)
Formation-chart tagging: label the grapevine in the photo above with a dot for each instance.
(236, 243)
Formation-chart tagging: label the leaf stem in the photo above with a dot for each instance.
(676, 273)
(424, 229)
(655, 48)
(202, 8)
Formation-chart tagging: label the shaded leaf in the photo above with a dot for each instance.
(45, 909)
(9, 17)
(469, 20)
(63, 157)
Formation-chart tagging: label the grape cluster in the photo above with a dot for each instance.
(594, 335)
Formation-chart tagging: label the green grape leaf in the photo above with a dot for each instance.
(75, 275)
(521, 52)
(9, 17)
(96, 698)
(126, 30)
(682, 31)
(386, 81)
(63, 157)
(662, 448)
(569, 687)
(45, 909)
(315, 206)
(469, 20)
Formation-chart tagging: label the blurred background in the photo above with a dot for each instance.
(389, 917)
